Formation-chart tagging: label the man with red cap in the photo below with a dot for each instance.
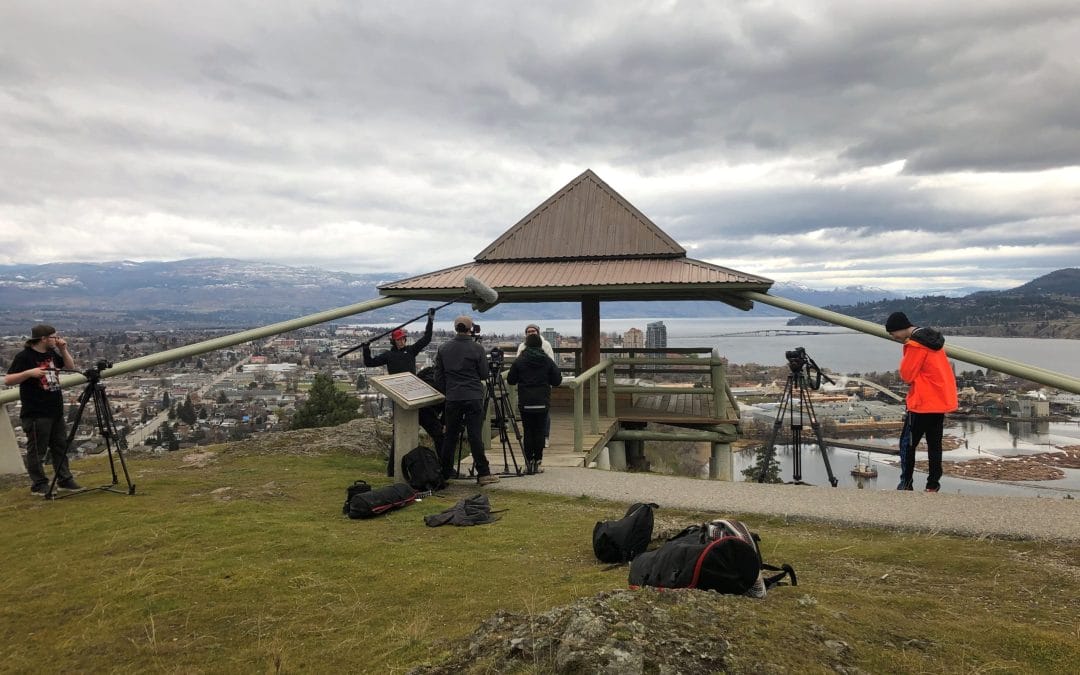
(931, 394)
(401, 358)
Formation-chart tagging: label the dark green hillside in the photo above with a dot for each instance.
(1048, 306)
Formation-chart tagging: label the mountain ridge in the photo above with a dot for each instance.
(211, 293)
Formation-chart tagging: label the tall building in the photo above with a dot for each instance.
(551, 336)
(633, 338)
(656, 335)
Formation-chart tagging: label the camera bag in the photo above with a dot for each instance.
(421, 468)
(720, 556)
(380, 500)
(356, 488)
(619, 541)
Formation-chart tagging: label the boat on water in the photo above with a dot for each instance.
(863, 468)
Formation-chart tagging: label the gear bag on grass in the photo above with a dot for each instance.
(356, 488)
(380, 500)
(421, 468)
(619, 541)
(721, 556)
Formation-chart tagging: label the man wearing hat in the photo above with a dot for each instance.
(401, 358)
(461, 369)
(924, 366)
(533, 329)
(36, 370)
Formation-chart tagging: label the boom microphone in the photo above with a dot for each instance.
(484, 297)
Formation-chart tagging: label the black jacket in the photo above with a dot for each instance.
(399, 360)
(461, 368)
(534, 374)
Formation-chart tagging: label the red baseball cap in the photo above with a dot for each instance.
(399, 334)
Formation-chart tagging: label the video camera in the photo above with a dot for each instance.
(94, 373)
(798, 361)
(496, 357)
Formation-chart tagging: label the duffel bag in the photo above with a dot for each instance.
(381, 500)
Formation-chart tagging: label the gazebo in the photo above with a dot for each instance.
(586, 244)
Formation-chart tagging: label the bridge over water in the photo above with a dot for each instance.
(771, 332)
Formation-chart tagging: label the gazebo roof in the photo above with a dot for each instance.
(585, 241)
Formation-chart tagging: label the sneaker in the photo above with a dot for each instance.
(39, 489)
(545, 442)
(68, 484)
(487, 480)
(537, 468)
(930, 489)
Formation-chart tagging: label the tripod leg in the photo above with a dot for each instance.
(821, 442)
(769, 455)
(107, 426)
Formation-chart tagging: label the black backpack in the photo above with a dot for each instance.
(356, 488)
(380, 500)
(721, 556)
(619, 541)
(421, 468)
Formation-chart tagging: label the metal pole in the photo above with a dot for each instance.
(1016, 368)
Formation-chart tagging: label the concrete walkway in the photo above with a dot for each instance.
(967, 515)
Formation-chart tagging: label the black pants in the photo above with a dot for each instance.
(932, 425)
(470, 416)
(46, 434)
(533, 422)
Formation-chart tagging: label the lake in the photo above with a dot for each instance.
(838, 349)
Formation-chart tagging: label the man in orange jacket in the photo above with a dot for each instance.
(931, 392)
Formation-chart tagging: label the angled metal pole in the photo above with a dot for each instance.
(10, 459)
(1023, 370)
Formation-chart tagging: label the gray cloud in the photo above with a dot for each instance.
(405, 136)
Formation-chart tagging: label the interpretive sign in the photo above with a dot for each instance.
(407, 390)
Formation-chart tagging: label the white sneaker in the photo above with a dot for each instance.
(545, 442)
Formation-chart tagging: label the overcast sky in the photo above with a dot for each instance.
(908, 146)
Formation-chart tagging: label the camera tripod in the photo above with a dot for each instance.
(801, 366)
(504, 419)
(106, 426)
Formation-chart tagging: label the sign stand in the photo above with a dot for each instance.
(409, 393)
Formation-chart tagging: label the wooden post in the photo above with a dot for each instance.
(609, 378)
(590, 332)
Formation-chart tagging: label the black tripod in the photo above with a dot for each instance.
(802, 369)
(106, 425)
(496, 394)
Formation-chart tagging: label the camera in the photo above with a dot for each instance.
(94, 374)
(476, 329)
(496, 356)
(798, 361)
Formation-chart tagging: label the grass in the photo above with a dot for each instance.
(247, 565)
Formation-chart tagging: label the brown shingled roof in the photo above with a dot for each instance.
(585, 219)
(586, 241)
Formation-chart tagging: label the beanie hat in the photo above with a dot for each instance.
(532, 325)
(897, 321)
(399, 334)
(533, 341)
(463, 324)
(41, 330)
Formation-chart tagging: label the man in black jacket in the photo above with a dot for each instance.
(401, 358)
(461, 370)
(535, 374)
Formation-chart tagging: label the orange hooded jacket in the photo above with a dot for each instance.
(925, 367)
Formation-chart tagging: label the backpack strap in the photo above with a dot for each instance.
(785, 571)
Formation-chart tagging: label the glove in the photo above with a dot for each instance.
(431, 314)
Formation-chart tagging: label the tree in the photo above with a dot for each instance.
(753, 472)
(186, 411)
(222, 397)
(325, 406)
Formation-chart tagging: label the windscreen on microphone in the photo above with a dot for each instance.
(484, 297)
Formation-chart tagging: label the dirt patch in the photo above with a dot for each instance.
(627, 632)
(364, 436)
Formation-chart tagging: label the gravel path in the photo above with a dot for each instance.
(968, 515)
